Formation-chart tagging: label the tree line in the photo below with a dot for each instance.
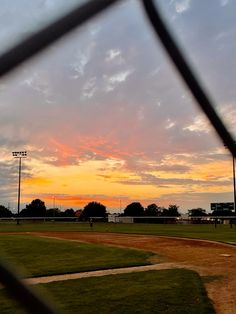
(37, 208)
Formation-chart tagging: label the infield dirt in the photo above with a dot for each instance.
(215, 262)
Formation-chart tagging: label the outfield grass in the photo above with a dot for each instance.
(169, 291)
(221, 233)
(35, 256)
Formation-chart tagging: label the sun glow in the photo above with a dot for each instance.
(109, 182)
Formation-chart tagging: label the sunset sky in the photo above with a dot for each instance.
(103, 114)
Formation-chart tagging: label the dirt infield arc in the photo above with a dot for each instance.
(212, 259)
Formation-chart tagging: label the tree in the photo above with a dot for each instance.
(134, 209)
(94, 209)
(152, 210)
(172, 211)
(68, 213)
(196, 212)
(78, 213)
(5, 212)
(36, 208)
(53, 212)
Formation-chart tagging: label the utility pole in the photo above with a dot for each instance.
(19, 155)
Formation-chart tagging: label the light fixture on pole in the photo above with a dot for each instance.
(19, 155)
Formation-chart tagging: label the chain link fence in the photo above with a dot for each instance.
(34, 44)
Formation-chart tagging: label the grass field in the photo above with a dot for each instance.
(221, 233)
(36, 256)
(169, 292)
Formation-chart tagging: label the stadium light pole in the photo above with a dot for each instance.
(234, 185)
(19, 155)
(233, 169)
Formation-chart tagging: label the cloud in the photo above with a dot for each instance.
(174, 168)
(107, 92)
(81, 59)
(62, 200)
(189, 200)
(170, 124)
(112, 54)
(224, 2)
(149, 179)
(89, 88)
(9, 173)
(200, 124)
(116, 79)
(182, 6)
(228, 114)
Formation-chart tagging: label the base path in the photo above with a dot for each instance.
(216, 260)
(99, 273)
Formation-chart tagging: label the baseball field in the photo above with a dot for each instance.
(130, 268)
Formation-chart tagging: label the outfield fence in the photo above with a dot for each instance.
(168, 219)
(127, 219)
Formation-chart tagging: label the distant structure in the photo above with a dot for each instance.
(222, 207)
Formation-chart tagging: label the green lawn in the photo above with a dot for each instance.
(221, 233)
(169, 291)
(36, 256)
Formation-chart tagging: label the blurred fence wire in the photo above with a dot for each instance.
(35, 43)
